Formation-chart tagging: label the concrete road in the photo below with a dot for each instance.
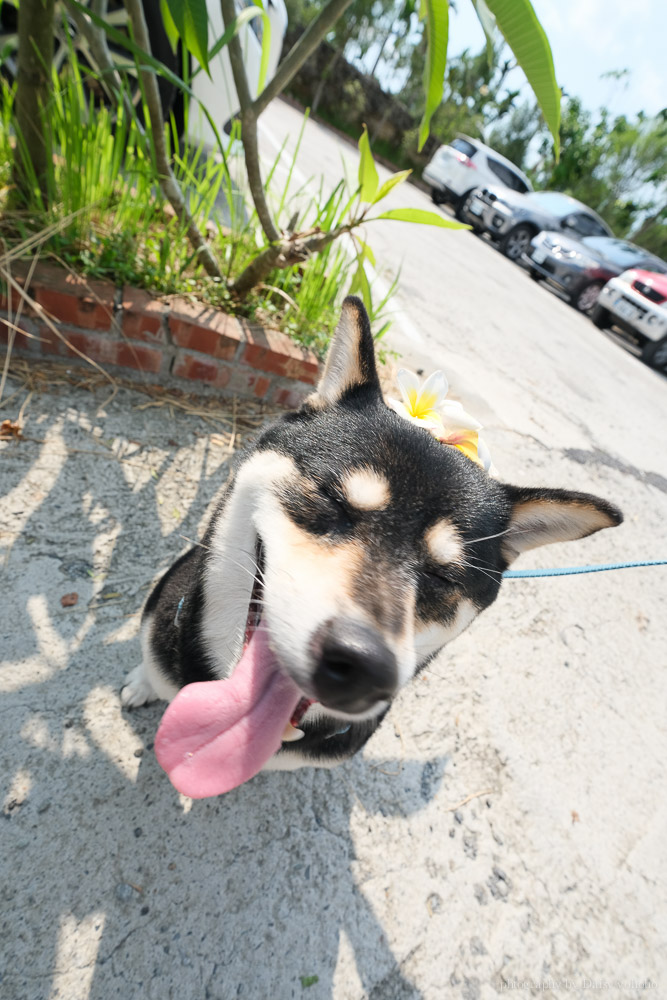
(505, 831)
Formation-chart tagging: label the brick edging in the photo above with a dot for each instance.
(173, 336)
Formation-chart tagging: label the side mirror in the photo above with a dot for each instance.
(569, 222)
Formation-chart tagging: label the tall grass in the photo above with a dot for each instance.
(102, 178)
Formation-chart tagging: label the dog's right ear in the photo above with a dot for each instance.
(350, 362)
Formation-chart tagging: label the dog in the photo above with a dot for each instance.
(349, 548)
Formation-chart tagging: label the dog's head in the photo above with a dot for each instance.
(379, 544)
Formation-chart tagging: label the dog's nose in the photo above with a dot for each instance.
(354, 667)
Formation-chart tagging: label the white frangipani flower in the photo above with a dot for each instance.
(427, 406)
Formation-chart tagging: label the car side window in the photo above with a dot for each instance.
(507, 176)
(586, 225)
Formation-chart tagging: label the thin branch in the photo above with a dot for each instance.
(168, 183)
(287, 253)
(299, 52)
(248, 128)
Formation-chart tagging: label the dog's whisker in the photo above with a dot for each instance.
(479, 569)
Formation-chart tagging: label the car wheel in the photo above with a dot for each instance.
(436, 196)
(516, 242)
(535, 275)
(585, 299)
(601, 317)
(655, 354)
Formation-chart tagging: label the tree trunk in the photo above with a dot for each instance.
(35, 56)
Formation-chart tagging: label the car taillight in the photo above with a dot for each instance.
(465, 160)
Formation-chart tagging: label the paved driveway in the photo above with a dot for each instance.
(505, 830)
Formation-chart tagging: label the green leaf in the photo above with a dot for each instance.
(368, 175)
(488, 22)
(525, 36)
(420, 215)
(266, 52)
(437, 34)
(170, 28)
(366, 252)
(360, 284)
(190, 19)
(395, 179)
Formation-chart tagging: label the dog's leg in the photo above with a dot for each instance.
(137, 689)
(146, 682)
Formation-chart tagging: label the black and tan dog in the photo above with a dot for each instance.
(349, 548)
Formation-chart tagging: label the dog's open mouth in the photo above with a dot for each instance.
(216, 735)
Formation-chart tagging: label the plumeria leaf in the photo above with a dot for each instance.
(390, 184)
(360, 284)
(368, 175)
(420, 215)
(488, 22)
(266, 51)
(366, 252)
(436, 13)
(170, 28)
(524, 34)
(190, 18)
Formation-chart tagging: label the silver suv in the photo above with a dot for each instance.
(455, 170)
(513, 220)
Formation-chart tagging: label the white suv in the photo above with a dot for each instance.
(455, 170)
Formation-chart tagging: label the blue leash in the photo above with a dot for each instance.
(515, 574)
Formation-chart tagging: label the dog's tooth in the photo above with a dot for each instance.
(290, 734)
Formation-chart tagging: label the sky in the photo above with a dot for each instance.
(589, 38)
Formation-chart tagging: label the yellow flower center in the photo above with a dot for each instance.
(422, 405)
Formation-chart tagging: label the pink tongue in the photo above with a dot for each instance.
(217, 734)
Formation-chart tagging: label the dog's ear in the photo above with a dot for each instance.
(541, 516)
(350, 362)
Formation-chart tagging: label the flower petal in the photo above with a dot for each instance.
(398, 406)
(454, 415)
(408, 383)
(433, 391)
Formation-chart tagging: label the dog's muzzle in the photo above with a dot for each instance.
(354, 667)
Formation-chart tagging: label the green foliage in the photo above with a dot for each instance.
(525, 36)
(189, 19)
(436, 13)
(618, 166)
(368, 175)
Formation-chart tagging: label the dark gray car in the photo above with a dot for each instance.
(512, 219)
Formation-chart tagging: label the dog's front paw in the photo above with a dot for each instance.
(137, 690)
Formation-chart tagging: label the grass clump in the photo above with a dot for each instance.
(111, 221)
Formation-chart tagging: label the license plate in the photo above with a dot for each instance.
(626, 309)
(476, 207)
(539, 256)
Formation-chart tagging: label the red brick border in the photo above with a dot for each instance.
(128, 328)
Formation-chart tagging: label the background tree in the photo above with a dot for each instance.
(618, 166)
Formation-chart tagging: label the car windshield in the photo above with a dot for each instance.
(551, 201)
(621, 253)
